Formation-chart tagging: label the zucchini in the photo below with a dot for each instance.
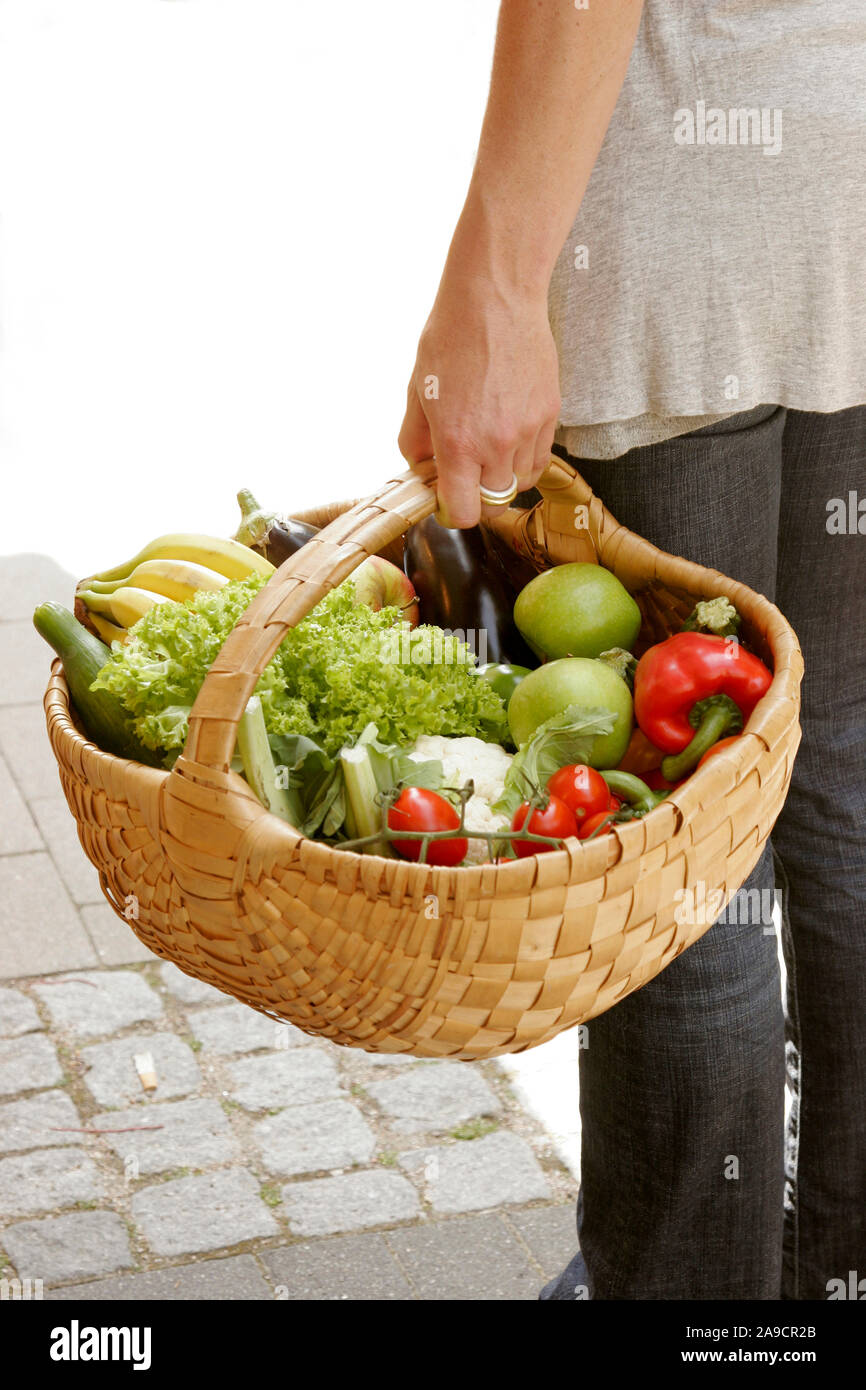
(102, 715)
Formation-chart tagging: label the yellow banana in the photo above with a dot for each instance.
(125, 606)
(228, 558)
(175, 579)
(109, 632)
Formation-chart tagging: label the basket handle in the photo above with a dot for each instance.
(289, 595)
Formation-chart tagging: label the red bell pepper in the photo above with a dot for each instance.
(691, 690)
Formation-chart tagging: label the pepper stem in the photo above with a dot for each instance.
(718, 716)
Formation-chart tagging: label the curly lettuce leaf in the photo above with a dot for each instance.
(343, 667)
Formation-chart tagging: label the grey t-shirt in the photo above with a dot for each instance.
(718, 260)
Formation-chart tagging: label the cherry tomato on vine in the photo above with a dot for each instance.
(588, 826)
(417, 808)
(582, 789)
(554, 819)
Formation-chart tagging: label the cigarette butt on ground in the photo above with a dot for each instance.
(146, 1069)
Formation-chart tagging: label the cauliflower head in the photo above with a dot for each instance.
(486, 764)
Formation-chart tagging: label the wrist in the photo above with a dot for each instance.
(493, 243)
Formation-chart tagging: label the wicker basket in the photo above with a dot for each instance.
(392, 956)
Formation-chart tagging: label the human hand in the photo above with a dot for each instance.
(484, 393)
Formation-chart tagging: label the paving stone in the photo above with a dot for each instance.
(287, 1078)
(465, 1258)
(202, 1213)
(27, 1063)
(112, 1079)
(96, 1002)
(17, 1014)
(345, 1267)
(47, 1178)
(28, 579)
(186, 988)
(479, 1173)
(68, 1247)
(42, 932)
(195, 1134)
(550, 1233)
(18, 833)
(349, 1203)
(311, 1138)
(57, 825)
(115, 941)
(25, 663)
(236, 1278)
(44, 1120)
(24, 744)
(237, 1028)
(396, 1059)
(434, 1098)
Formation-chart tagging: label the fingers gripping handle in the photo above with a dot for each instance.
(289, 595)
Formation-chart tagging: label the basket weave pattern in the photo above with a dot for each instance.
(392, 956)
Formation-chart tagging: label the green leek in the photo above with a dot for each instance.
(258, 763)
(363, 810)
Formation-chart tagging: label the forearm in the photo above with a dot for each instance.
(557, 74)
(483, 400)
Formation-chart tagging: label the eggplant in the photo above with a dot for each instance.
(460, 589)
(514, 570)
(273, 536)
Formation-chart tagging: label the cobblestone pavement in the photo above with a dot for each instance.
(265, 1163)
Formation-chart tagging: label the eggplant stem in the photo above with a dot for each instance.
(255, 524)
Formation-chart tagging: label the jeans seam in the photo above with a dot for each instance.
(794, 1071)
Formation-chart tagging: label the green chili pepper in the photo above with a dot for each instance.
(631, 789)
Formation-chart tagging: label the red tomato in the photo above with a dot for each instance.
(416, 808)
(615, 803)
(556, 819)
(588, 826)
(583, 790)
(717, 748)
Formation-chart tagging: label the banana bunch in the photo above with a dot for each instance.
(171, 568)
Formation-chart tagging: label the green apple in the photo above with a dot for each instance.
(574, 680)
(576, 610)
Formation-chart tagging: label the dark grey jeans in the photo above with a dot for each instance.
(690, 1188)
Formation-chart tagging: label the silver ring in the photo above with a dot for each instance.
(500, 499)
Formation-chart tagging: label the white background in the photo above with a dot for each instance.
(222, 226)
